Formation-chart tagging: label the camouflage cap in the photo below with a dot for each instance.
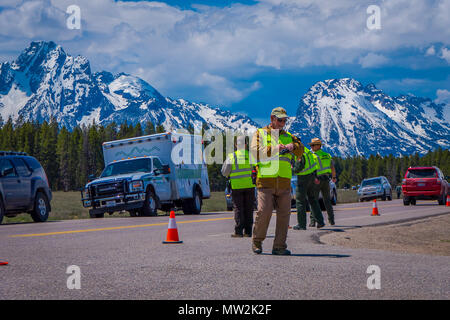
(279, 112)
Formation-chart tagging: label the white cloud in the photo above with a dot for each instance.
(430, 51)
(173, 48)
(372, 60)
(445, 54)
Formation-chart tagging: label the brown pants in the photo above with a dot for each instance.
(269, 199)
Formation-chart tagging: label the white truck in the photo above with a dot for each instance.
(141, 176)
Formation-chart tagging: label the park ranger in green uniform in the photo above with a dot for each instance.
(237, 166)
(325, 172)
(305, 169)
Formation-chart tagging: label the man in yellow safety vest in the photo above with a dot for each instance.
(273, 150)
(325, 172)
(238, 168)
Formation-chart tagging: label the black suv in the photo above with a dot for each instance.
(23, 187)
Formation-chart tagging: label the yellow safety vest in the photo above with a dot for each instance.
(241, 170)
(324, 162)
(311, 163)
(277, 165)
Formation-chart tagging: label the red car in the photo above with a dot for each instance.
(424, 183)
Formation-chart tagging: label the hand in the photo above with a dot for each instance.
(316, 181)
(290, 146)
(281, 147)
(334, 180)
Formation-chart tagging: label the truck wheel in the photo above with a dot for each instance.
(97, 215)
(40, 211)
(150, 205)
(2, 210)
(194, 205)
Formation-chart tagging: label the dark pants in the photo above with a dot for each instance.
(243, 202)
(324, 186)
(306, 191)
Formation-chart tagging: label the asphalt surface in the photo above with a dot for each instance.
(124, 258)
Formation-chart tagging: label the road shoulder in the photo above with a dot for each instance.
(422, 236)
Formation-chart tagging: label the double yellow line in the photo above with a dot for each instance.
(111, 228)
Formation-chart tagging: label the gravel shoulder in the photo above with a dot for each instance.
(429, 236)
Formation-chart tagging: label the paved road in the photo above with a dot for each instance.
(124, 258)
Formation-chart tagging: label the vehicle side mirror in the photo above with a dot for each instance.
(6, 172)
(157, 172)
(165, 169)
(91, 177)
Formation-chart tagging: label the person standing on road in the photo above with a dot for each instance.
(237, 166)
(399, 191)
(325, 172)
(305, 169)
(274, 149)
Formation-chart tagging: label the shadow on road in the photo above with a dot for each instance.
(314, 255)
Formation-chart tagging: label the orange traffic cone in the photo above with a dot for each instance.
(447, 204)
(172, 232)
(375, 209)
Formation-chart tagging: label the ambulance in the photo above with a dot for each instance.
(164, 171)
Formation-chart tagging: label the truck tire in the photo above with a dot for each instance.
(41, 208)
(193, 205)
(150, 208)
(2, 210)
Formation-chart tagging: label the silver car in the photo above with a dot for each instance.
(373, 188)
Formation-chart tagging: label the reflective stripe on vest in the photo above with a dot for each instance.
(324, 160)
(241, 175)
(310, 163)
(276, 165)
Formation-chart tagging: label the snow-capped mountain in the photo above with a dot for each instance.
(45, 81)
(352, 119)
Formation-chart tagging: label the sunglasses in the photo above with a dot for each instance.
(281, 120)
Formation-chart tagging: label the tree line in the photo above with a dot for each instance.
(69, 157)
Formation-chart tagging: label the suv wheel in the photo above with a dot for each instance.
(383, 197)
(2, 210)
(406, 201)
(40, 211)
(334, 199)
(442, 199)
(150, 205)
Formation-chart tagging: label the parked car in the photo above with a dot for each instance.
(333, 195)
(424, 183)
(373, 188)
(24, 187)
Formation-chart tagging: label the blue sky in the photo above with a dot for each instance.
(247, 56)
